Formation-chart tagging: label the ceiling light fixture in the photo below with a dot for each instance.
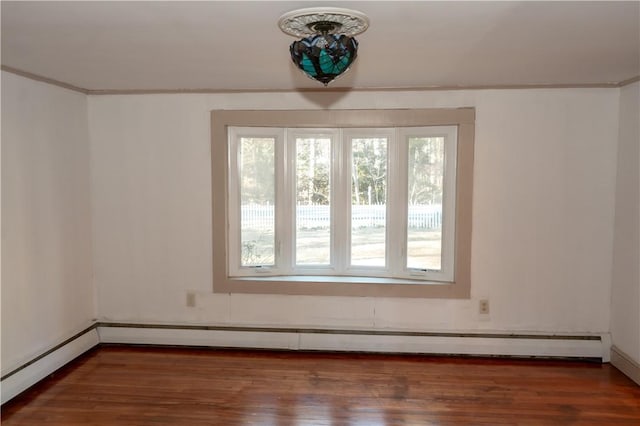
(327, 48)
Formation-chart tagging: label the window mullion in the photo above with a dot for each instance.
(285, 208)
(233, 226)
(396, 205)
(340, 205)
(449, 203)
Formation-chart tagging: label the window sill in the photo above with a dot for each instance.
(339, 279)
(341, 286)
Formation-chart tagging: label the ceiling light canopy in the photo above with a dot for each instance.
(327, 48)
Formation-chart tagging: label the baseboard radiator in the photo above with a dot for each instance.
(26, 375)
(625, 363)
(579, 347)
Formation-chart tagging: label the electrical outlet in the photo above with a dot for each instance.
(483, 307)
(191, 300)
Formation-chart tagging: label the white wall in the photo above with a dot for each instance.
(625, 295)
(47, 291)
(543, 213)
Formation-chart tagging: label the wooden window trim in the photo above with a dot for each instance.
(460, 288)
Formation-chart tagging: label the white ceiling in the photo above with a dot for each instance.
(236, 45)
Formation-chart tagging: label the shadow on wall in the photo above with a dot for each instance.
(316, 93)
(324, 100)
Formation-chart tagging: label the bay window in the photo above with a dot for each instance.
(343, 202)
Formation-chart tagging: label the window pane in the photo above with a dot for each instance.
(426, 177)
(257, 199)
(368, 201)
(313, 195)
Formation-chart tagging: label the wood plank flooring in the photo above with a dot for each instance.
(114, 385)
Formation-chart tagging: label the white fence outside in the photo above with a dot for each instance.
(261, 217)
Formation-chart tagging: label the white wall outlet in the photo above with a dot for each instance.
(191, 300)
(483, 307)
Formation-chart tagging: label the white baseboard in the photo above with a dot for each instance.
(626, 364)
(197, 337)
(22, 378)
(465, 345)
(552, 346)
(359, 341)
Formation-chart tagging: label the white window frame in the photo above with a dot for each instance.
(450, 135)
(390, 268)
(294, 268)
(396, 228)
(361, 285)
(234, 240)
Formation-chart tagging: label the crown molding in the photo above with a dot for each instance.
(99, 92)
(629, 81)
(354, 89)
(43, 79)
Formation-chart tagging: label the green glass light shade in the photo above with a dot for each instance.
(323, 57)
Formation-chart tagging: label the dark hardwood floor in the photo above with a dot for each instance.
(114, 385)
